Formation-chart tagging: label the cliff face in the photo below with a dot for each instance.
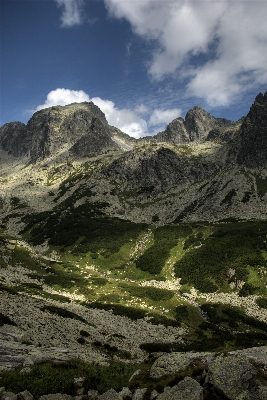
(253, 135)
(14, 138)
(53, 128)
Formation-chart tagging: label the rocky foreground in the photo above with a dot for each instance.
(237, 375)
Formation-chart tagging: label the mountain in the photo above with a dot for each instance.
(199, 168)
(117, 250)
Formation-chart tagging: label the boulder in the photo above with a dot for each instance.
(110, 395)
(79, 385)
(26, 395)
(178, 362)
(8, 396)
(233, 376)
(154, 394)
(92, 394)
(56, 396)
(139, 394)
(125, 393)
(187, 389)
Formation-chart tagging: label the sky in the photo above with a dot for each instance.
(143, 62)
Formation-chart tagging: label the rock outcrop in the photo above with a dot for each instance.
(253, 135)
(197, 126)
(14, 138)
(237, 375)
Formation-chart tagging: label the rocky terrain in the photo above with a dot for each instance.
(146, 253)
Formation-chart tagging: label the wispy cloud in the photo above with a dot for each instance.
(159, 116)
(218, 48)
(72, 13)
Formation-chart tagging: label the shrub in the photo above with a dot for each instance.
(262, 302)
(62, 312)
(165, 237)
(58, 378)
(4, 319)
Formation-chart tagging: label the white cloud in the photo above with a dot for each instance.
(62, 97)
(142, 109)
(159, 117)
(218, 46)
(72, 12)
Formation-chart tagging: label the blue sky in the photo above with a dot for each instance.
(143, 62)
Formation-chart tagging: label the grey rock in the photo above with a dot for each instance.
(25, 371)
(261, 393)
(187, 389)
(56, 396)
(125, 393)
(137, 372)
(178, 362)
(139, 394)
(232, 375)
(26, 395)
(110, 395)
(97, 139)
(8, 396)
(2, 390)
(79, 385)
(175, 133)
(92, 394)
(154, 394)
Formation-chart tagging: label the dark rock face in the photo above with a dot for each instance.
(80, 126)
(54, 127)
(94, 141)
(175, 133)
(14, 138)
(162, 168)
(253, 135)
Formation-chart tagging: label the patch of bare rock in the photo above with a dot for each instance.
(237, 375)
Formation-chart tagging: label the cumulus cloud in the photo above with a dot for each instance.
(62, 97)
(72, 12)
(159, 117)
(218, 47)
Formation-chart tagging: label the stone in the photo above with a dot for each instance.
(261, 393)
(56, 396)
(177, 362)
(26, 395)
(137, 372)
(139, 394)
(79, 385)
(92, 394)
(125, 393)
(154, 394)
(187, 389)
(8, 396)
(232, 376)
(25, 371)
(110, 395)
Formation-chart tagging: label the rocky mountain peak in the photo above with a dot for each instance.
(13, 138)
(199, 123)
(253, 136)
